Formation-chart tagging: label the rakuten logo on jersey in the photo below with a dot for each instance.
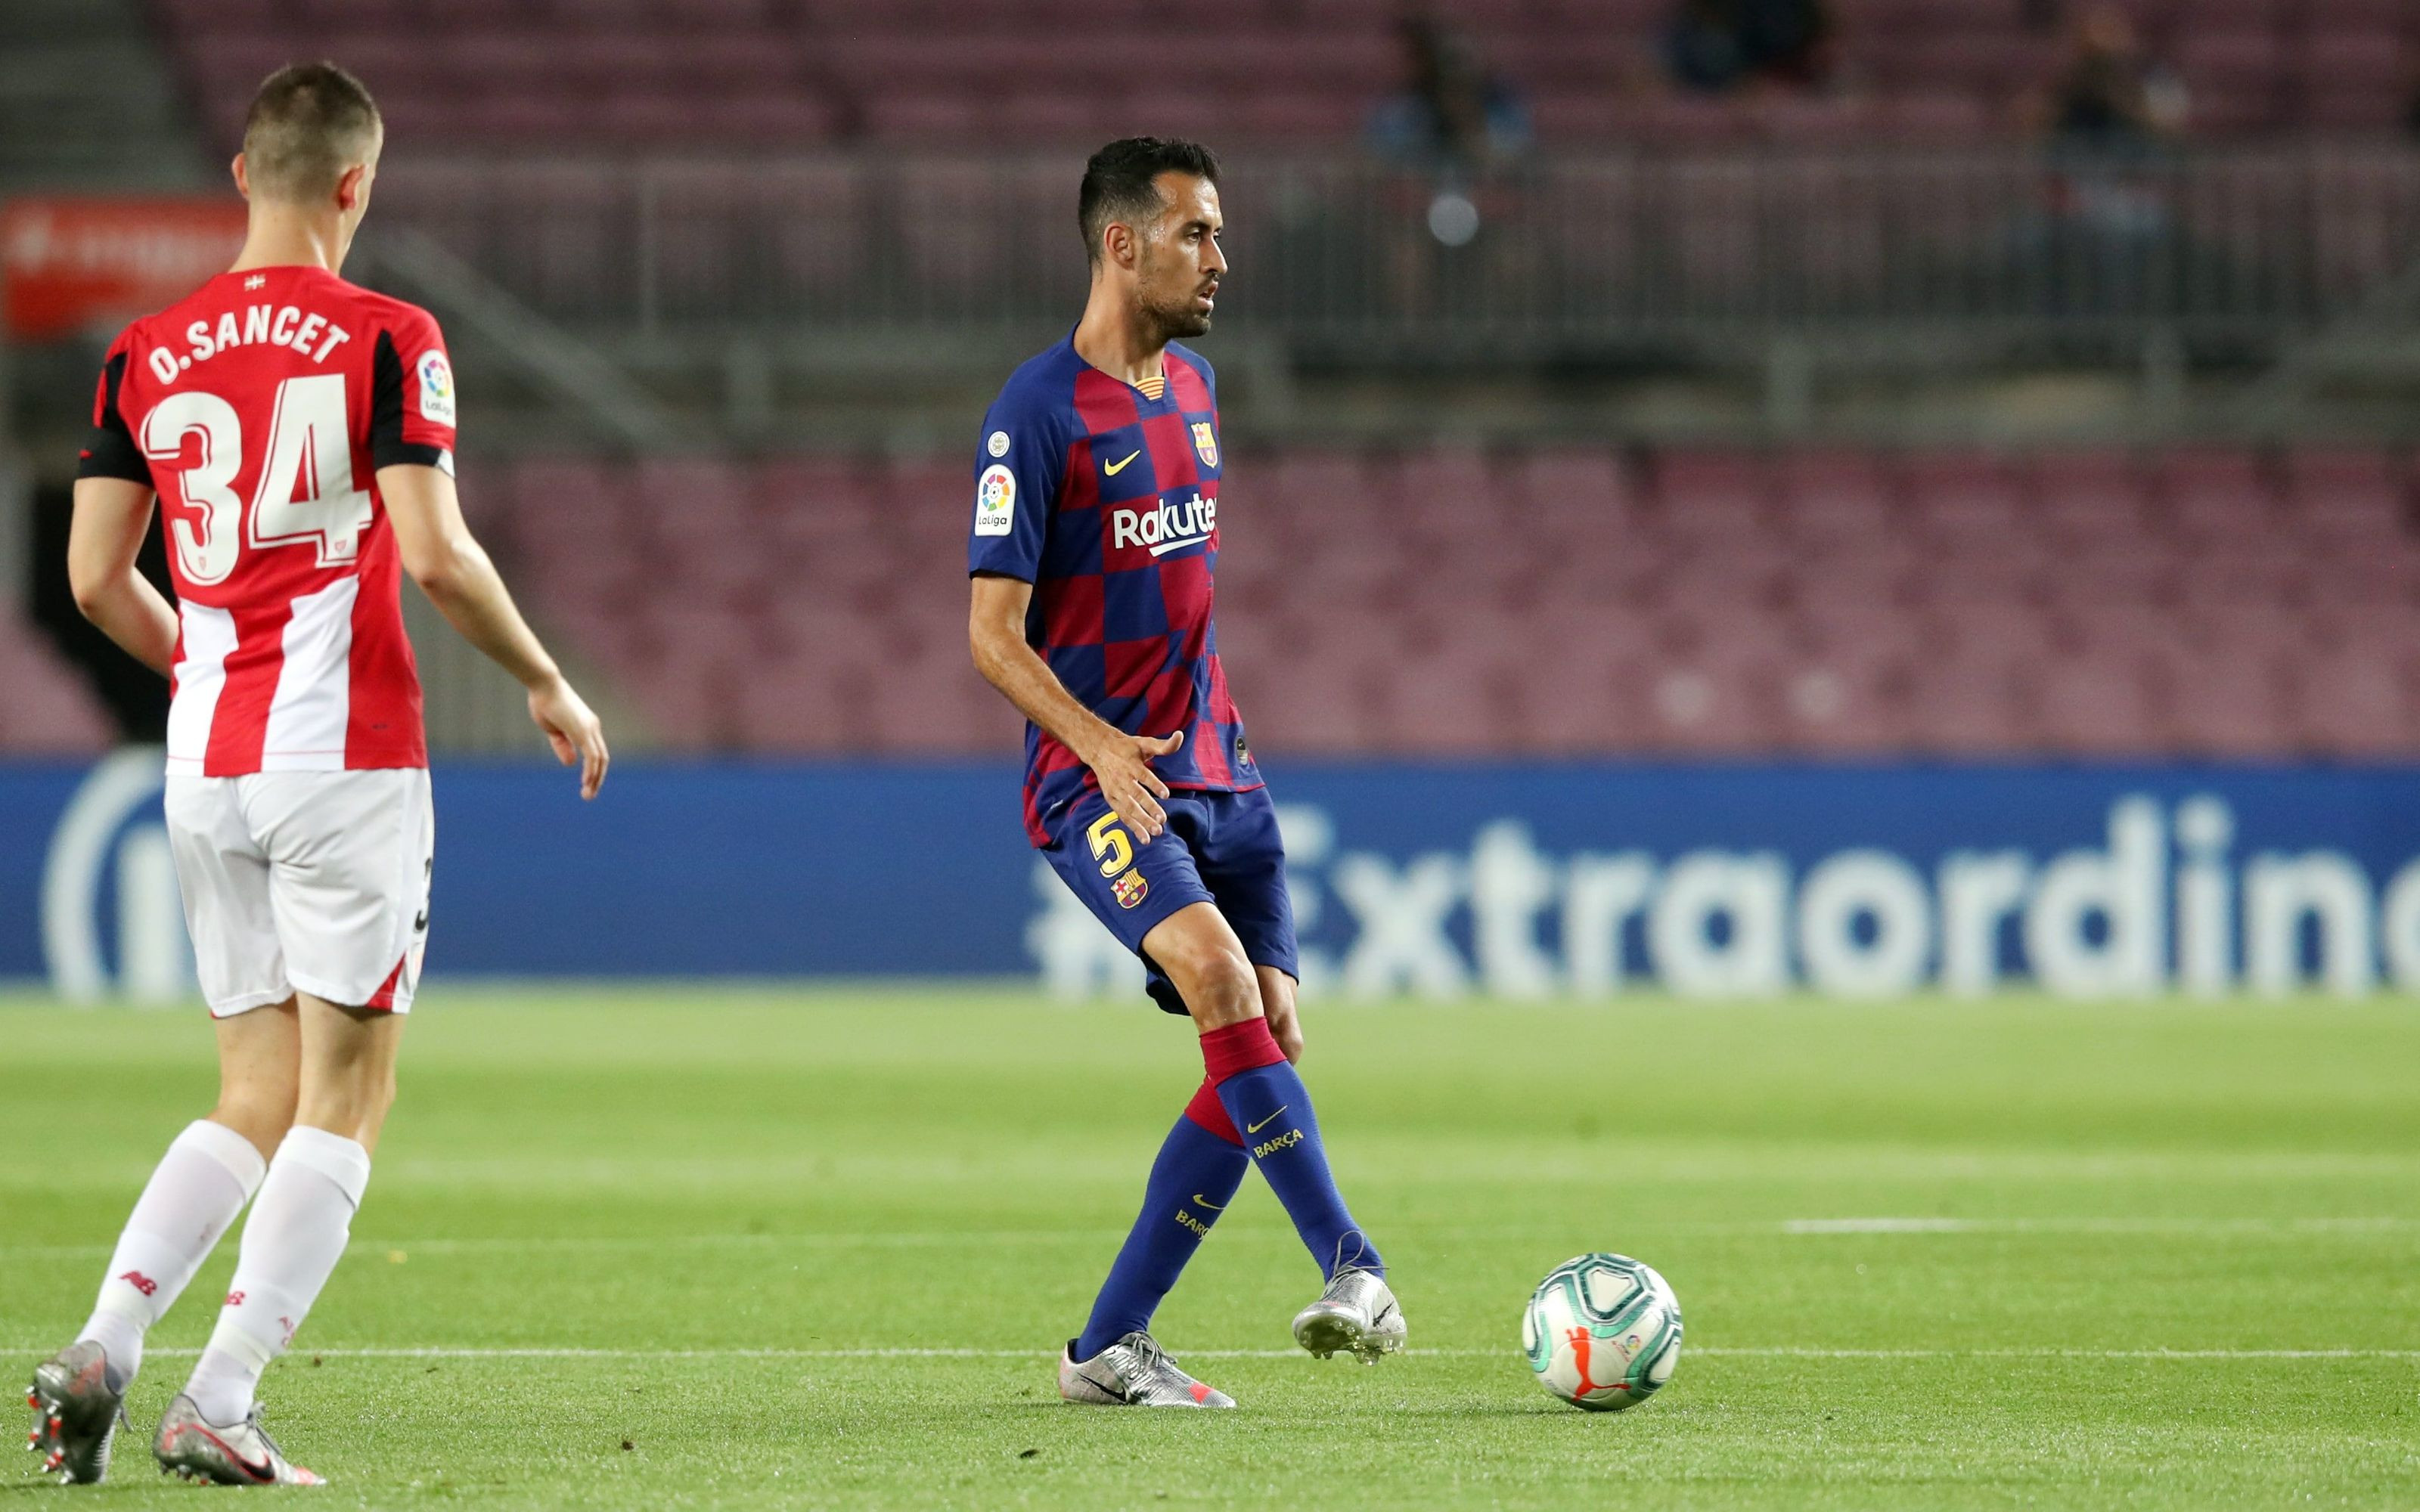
(1165, 527)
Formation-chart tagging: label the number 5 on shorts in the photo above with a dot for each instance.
(1110, 844)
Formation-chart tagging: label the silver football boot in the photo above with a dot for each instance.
(1357, 1314)
(1133, 1372)
(242, 1455)
(75, 1414)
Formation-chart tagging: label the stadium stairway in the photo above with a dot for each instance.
(89, 101)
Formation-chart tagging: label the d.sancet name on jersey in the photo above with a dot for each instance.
(314, 335)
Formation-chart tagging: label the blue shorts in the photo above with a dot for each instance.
(1219, 848)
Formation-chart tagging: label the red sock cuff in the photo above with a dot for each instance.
(1206, 1110)
(1239, 1048)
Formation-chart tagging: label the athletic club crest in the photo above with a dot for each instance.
(1205, 443)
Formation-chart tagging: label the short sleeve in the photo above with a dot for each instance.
(109, 450)
(1019, 465)
(411, 395)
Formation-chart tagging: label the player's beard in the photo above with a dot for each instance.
(1176, 319)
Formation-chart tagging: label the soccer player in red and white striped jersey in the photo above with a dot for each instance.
(298, 434)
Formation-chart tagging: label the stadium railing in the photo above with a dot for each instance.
(1605, 253)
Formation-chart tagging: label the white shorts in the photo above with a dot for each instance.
(308, 881)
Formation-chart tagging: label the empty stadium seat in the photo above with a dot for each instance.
(49, 710)
(2212, 602)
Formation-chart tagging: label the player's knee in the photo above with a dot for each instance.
(354, 1106)
(260, 1109)
(1219, 989)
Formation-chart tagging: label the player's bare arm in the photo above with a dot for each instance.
(455, 571)
(111, 517)
(1121, 763)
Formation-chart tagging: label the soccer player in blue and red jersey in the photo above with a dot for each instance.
(1095, 536)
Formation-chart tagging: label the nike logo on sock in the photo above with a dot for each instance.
(1201, 1201)
(1256, 1128)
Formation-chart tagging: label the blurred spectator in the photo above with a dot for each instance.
(1452, 117)
(2108, 93)
(2110, 213)
(1715, 46)
(2040, 17)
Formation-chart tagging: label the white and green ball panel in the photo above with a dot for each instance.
(1631, 1322)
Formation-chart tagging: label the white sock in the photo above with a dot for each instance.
(208, 1174)
(291, 1244)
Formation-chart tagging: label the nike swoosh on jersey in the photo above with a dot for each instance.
(1111, 470)
(1256, 1128)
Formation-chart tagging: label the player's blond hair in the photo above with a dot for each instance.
(309, 123)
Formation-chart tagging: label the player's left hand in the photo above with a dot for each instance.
(1278, 1006)
(1122, 764)
(1285, 1027)
(573, 730)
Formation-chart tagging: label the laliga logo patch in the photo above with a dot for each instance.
(1205, 443)
(1131, 888)
(436, 387)
(995, 500)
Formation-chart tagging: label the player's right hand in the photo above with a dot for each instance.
(1122, 767)
(572, 728)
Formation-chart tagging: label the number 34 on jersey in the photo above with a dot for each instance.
(260, 408)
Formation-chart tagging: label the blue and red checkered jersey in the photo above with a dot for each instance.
(1106, 500)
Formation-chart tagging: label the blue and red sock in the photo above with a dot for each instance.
(1269, 1103)
(1199, 1166)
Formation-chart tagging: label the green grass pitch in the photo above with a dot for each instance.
(675, 1247)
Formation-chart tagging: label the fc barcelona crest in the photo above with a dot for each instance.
(1205, 443)
(1131, 888)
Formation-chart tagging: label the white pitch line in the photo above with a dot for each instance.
(1726, 1351)
(366, 1248)
(2209, 1227)
(1878, 1225)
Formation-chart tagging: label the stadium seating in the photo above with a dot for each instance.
(48, 710)
(2218, 603)
(620, 73)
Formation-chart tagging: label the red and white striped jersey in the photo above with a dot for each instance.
(261, 408)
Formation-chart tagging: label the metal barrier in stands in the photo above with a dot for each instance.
(1569, 257)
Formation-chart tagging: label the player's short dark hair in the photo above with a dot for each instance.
(1119, 181)
(308, 123)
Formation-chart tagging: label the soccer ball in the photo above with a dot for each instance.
(1602, 1332)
